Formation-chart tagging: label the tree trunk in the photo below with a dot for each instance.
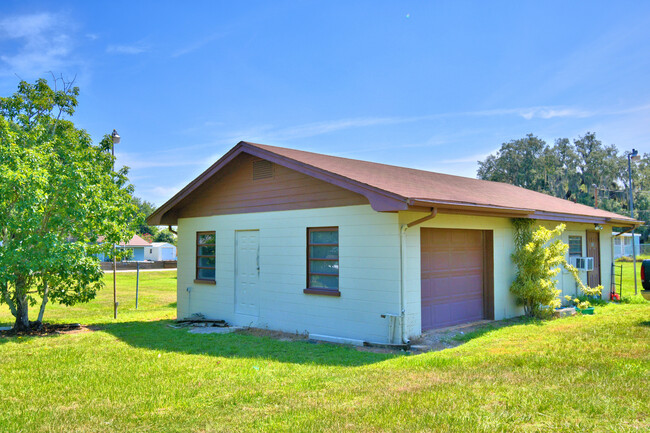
(39, 321)
(22, 306)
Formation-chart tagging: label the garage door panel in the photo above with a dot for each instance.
(452, 276)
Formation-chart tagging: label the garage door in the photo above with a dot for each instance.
(453, 275)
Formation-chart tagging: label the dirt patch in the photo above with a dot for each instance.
(446, 338)
(48, 329)
(277, 335)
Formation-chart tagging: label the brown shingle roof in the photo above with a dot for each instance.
(430, 186)
(401, 187)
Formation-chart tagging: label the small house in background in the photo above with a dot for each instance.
(159, 251)
(136, 244)
(623, 245)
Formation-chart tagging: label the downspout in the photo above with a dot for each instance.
(402, 273)
(402, 284)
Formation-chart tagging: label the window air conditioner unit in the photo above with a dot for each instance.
(583, 263)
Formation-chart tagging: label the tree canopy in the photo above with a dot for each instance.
(579, 170)
(59, 193)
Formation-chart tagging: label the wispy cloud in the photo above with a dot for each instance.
(320, 128)
(471, 158)
(127, 49)
(42, 43)
(142, 161)
(196, 45)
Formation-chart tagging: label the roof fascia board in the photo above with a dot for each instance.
(556, 216)
(470, 207)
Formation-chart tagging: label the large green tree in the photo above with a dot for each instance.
(58, 194)
(577, 170)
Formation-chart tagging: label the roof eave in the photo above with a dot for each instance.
(477, 209)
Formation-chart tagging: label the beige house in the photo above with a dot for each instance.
(355, 251)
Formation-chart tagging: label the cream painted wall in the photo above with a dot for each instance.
(369, 271)
(566, 283)
(369, 245)
(504, 269)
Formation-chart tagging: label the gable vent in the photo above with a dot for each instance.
(262, 169)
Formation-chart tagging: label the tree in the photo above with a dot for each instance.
(522, 162)
(145, 209)
(58, 194)
(570, 170)
(165, 236)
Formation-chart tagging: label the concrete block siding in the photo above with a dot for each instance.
(368, 280)
(369, 257)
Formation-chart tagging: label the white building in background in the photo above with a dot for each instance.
(159, 251)
(623, 245)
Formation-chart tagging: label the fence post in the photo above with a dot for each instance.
(137, 282)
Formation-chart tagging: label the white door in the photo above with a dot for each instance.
(247, 272)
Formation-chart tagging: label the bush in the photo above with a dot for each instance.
(538, 259)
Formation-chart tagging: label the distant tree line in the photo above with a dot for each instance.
(580, 170)
(151, 233)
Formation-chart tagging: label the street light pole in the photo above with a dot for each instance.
(632, 156)
(116, 139)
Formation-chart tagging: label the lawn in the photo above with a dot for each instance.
(583, 373)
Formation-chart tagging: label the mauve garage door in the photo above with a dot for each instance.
(452, 276)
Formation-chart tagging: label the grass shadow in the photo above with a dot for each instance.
(158, 336)
(645, 323)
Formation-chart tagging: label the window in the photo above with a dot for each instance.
(205, 261)
(323, 261)
(575, 246)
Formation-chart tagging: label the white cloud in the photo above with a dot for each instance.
(40, 42)
(126, 49)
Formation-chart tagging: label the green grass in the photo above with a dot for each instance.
(156, 300)
(583, 373)
(628, 281)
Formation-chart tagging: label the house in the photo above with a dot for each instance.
(159, 251)
(354, 251)
(136, 245)
(623, 245)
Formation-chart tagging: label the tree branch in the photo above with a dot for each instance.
(4, 289)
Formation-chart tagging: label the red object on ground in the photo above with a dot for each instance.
(614, 296)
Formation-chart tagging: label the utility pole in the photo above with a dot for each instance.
(116, 139)
(632, 156)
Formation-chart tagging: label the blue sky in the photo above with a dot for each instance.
(432, 85)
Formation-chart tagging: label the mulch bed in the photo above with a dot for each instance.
(47, 329)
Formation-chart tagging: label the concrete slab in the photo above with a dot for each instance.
(215, 330)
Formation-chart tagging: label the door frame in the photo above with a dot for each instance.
(488, 274)
(236, 272)
(600, 272)
(488, 271)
